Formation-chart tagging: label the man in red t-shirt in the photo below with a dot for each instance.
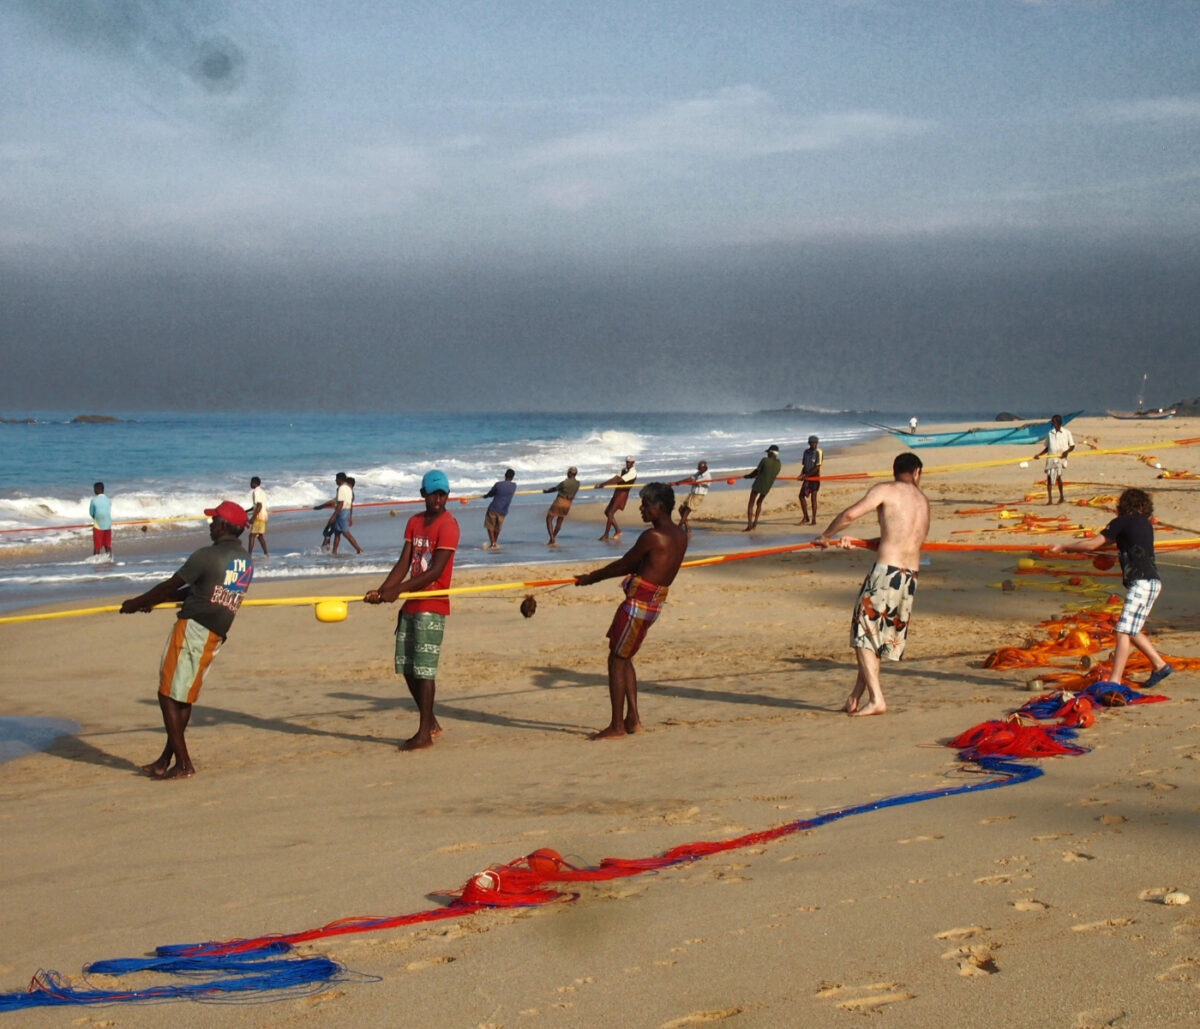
(426, 564)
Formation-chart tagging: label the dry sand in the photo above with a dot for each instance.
(1032, 905)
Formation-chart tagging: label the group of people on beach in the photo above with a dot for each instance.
(212, 584)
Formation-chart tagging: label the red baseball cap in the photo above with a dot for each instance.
(229, 512)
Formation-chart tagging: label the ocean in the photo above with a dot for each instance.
(166, 466)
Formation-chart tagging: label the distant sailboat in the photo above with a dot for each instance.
(1141, 413)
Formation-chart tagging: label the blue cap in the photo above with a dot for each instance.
(435, 481)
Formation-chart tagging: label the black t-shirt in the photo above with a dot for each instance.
(219, 575)
(1134, 536)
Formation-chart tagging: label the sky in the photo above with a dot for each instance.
(711, 205)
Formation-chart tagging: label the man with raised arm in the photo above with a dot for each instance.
(879, 627)
(649, 567)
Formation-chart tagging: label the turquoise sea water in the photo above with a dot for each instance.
(168, 466)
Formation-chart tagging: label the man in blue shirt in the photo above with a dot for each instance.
(501, 494)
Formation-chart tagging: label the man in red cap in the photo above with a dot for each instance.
(211, 585)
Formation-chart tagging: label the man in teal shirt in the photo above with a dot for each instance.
(100, 512)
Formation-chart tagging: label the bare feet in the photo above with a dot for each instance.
(156, 769)
(870, 709)
(180, 773)
(633, 725)
(851, 705)
(604, 538)
(417, 742)
(611, 732)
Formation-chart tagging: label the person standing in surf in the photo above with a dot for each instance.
(623, 480)
(100, 512)
(561, 506)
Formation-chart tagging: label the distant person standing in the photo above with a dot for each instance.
(649, 567)
(100, 512)
(764, 476)
(623, 480)
(561, 505)
(339, 522)
(912, 424)
(212, 585)
(701, 482)
(1059, 443)
(502, 495)
(810, 478)
(257, 513)
(879, 625)
(426, 563)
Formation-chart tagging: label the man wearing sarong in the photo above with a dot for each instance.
(879, 627)
(649, 567)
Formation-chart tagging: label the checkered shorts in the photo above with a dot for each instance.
(1139, 599)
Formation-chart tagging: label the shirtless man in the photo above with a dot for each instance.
(650, 567)
(623, 480)
(879, 627)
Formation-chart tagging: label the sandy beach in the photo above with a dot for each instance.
(1034, 905)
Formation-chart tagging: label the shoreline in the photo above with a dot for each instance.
(304, 812)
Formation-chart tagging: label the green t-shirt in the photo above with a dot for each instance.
(764, 475)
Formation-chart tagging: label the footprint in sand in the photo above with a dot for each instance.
(1160, 787)
(996, 818)
(1189, 927)
(1051, 836)
(1108, 923)
(923, 839)
(1100, 1018)
(877, 999)
(1111, 819)
(974, 960)
(1077, 855)
(700, 1017)
(1184, 972)
(963, 933)
(994, 880)
(417, 966)
(1030, 905)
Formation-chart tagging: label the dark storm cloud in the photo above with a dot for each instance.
(1022, 324)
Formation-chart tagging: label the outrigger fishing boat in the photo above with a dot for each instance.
(1141, 413)
(1024, 434)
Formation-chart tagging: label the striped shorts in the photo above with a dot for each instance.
(1139, 599)
(189, 651)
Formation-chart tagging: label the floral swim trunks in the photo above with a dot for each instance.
(882, 612)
